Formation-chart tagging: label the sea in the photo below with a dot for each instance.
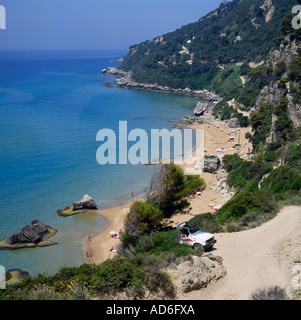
(52, 105)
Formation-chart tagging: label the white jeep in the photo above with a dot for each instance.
(194, 236)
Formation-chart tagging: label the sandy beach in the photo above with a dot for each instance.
(255, 258)
(102, 241)
(216, 136)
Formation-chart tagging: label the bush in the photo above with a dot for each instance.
(254, 219)
(271, 293)
(142, 218)
(161, 244)
(245, 175)
(117, 275)
(280, 185)
(245, 202)
(231, 162)
(167, 195)
(232, 226)
(207, 222)
(261, 121)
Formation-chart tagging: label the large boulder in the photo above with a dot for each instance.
(221, 175)
(85, 203)
(30, 234)
(296, 273)
(200, 108)
(197, 273)
(233, 123)
(211, 164)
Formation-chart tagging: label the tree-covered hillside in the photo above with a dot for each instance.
(195, 55)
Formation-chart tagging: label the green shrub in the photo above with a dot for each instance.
(282, 185)
(117, 275)
(245, 174)
(243, 203)
(207, 222)
(162, 243)
(261, 121)
(167, 195)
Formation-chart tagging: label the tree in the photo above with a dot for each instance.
(166, 195)
(295, 69)
(170, 189)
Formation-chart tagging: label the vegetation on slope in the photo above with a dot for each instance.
(193, 56)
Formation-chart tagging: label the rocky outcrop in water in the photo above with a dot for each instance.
(124, 80)
(36, 234)
(81, 206)
(85, 203)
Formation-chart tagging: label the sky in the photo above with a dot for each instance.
(94, 24)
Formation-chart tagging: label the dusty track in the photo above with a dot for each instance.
(256, 258)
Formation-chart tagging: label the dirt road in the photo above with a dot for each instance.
(256, 258)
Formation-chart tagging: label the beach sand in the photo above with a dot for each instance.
(215, 137)
(101, 242)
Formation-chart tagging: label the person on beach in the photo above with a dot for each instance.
(87, 254)
(90, 254)
(89, 237)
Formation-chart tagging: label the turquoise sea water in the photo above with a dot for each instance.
(52, 104)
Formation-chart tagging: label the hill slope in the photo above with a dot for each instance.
(238, 32)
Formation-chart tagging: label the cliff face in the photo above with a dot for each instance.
(272, 93)
(282, 94)
(294, 110)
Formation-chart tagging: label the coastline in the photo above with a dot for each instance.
(215, 136)
(124, 80)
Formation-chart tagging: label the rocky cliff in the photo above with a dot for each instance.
(282, 57)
